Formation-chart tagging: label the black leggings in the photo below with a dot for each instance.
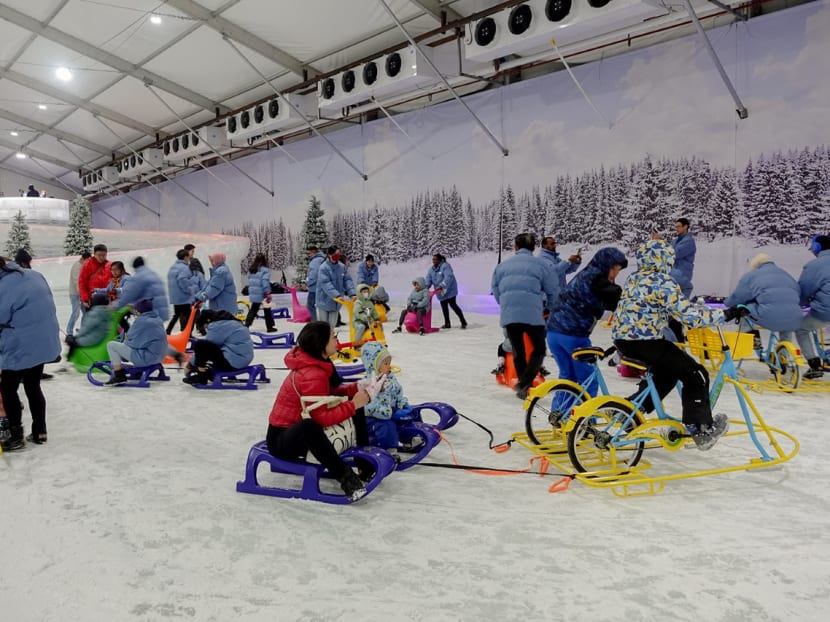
(445, 309)
(419, 313)
(269, 317)
(308, 436)
(204, 351)
(527, 365)
(180, 313)
(668, 365)
(10, 381)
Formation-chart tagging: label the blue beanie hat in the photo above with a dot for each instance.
(143, 306)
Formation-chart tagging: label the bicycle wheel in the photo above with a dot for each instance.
(593, 443)
(546, 414)
(787, 374)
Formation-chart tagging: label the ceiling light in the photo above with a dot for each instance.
(155, 19)
(14, 133)
(41, 106)
(20, 155)
(63, 74)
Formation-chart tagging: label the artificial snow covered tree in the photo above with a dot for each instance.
(313, 232)
(18, 236)
(78, 237)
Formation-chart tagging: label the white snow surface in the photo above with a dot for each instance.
(130, 511)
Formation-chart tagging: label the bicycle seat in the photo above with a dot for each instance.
(588, 355)
(634, 363)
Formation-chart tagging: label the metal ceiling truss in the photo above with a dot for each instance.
(439, 11)
(45, 129)
(35, 177)
(43, 156)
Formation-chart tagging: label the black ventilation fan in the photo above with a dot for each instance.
(598, 4)
(140, 160)
(394, 64)
(485, 32)
(245, 119)
(132, 161)
(231, 126)
(273, 109)
(167, 145)
(370, 73)
(119, 166)
(520, 19)
(185, 141)
(259, 114)
(347, 82)
(174, 144)
(557, 10)
(195, 140)
(328, 88)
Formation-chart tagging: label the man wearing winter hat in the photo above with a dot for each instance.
(771, 295)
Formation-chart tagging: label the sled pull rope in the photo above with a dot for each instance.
(501, 447)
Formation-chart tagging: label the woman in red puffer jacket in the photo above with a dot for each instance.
(292, 436)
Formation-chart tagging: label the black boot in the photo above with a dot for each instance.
(119, 376)
(352, 486)
(15, 441)
(816, 370)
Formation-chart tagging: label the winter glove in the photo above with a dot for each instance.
(70, 341)
(735, 312)
(403, 414)
(375, 386)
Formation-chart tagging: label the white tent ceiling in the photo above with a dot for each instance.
(115, 48)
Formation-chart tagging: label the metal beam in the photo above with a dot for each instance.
(36, 177)
(82, 47)
(55, 177)
(248, 39)
(39, 155)
(438, 10)
(45, 129)
(46, 89)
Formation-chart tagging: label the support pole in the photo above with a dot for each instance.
(447, 85)
(400, 129)
(743, 113)
(299, 112)
(221, 157)
(55, 177)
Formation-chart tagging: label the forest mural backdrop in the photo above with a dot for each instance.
(675, 148)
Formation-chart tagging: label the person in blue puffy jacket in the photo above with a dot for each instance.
(259, 290)
(562, 267)
(182, 287)
(524, 285)
(367, 272)
(144, 285)
(315, 260)
(146, 343)
(814, 284)
(442, 279)
(227, 346)
(333, 281)
(220, 291)
(418, 302)
(590, 293)
(29, 337)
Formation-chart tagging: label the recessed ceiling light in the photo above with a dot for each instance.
(63, 74)
(155, 19)
(41, 106)
(20, 155)
(14, 133)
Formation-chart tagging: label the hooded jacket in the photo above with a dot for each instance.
(650, 297)
(220, 291)
(368, 275)
(523, 285)
(442, 277)
(418, 298)
(391, 397)
(234, 339)
(181, 283)
(148, 339)
(144, 284)
(259, 284)
(364, 311)
(772, 297)
(684, 262)
(309, 376)
(333, 281)
(815, 286)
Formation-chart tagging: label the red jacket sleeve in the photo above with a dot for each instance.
(83, 279)
(346, 389)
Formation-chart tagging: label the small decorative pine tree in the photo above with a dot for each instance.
(314, 232)
(18, 236)
(78, 236)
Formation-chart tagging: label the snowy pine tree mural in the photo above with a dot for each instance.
(313, 232)
(78, 236)
(19, 237)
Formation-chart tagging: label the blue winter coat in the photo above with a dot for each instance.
(333, 281)
(442, 277)
(181, 283)
(29, 332)
(220, 291)
(145, 284)
(391, 398)
(148, 339)
(523, 285)
(587, 296)
(561, 266)
(418, 298)
(95, 324)
(684, 262)
(234, 339)
(259, 284)
(367, 275)
(313, 271)
(650, 297)
(815, 286)
(119, 291)
(771, 295)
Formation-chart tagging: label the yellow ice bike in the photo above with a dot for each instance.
(607, 435)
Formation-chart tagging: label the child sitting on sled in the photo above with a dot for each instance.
(390, 409)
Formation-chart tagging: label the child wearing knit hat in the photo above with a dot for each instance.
(389, 409)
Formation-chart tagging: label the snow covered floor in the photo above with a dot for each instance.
(130, 513)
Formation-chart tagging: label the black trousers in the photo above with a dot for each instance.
(307, 436)
(269, 318)
(206, 351)
(180, 313)
(668, 365)
(445, 309)
(527, 366)
(10, 381)
(419, 313)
